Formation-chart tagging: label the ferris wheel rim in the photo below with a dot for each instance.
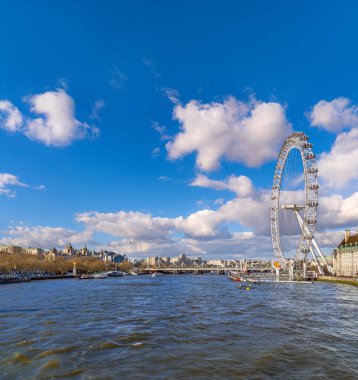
(296, 140)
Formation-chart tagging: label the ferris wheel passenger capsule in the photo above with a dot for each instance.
(310, 220)
(312, 170)
(310, 156)
(307, 145)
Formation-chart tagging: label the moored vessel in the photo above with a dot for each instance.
(115, 273)
(235, 276)
(100, 275)
(86, 276)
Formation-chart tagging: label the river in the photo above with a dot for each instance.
(177, 327)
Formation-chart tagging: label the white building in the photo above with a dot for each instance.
(68, 250)
(51, 254)
(345, 256)
(216, 263)
(11, 249)
(181, 260)
(33, 251)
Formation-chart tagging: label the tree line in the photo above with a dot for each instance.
(11, 262)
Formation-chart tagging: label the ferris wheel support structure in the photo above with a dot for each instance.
(314, 246)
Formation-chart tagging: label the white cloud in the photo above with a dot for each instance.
(335, 115)
(240, 245)
(172, 94)
(165, 178)
(40, 187)
(250, 133)
(96, 109)
(131, 225)
(250, 209)
(9, 180)
(339, 166)
(156, 152)
(337, 211)
(56, 125)
(44, 237)
(152, 66)
(10, 117)
(240, 185)
(161, 130)
(118, 78)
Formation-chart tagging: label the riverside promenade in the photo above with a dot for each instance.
(339, 280)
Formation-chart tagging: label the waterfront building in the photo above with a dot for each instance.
(345, 256)
(165, 260)
(51, 254)
(84, 251)
(33, 251)
(104, 255)
(68, 250)
(11, 249)
(156, 262)
(216, 263)
(198, 261)
(119, 258)
(152, 262)
(112, 257)
(181, 260)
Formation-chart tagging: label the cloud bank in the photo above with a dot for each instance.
(8, 181)
(335, 115)
(250, 133)
(54, 123)
(339, 166)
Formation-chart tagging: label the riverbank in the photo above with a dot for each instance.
(15, 280)
(339, 280)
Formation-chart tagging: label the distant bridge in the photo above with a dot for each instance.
(201, 269)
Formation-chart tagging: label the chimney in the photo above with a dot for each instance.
(346, 235)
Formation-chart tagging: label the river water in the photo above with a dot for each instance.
(177, 327)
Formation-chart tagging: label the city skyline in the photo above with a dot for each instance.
(132, 129)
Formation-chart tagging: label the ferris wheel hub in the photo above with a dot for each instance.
(292, 207)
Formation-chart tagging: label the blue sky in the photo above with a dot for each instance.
(138, 62)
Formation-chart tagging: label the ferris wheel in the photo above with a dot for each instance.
(294, 203)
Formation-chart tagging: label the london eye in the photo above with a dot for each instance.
(294, 203)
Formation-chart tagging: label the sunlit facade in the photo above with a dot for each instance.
(345, 256)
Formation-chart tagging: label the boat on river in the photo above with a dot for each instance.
(86, 277)
(155, 274)
(100, 275)
(235, 276)
(10, 279)
(253, 280)
(115, 273)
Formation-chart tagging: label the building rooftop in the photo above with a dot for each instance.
(351, 239)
